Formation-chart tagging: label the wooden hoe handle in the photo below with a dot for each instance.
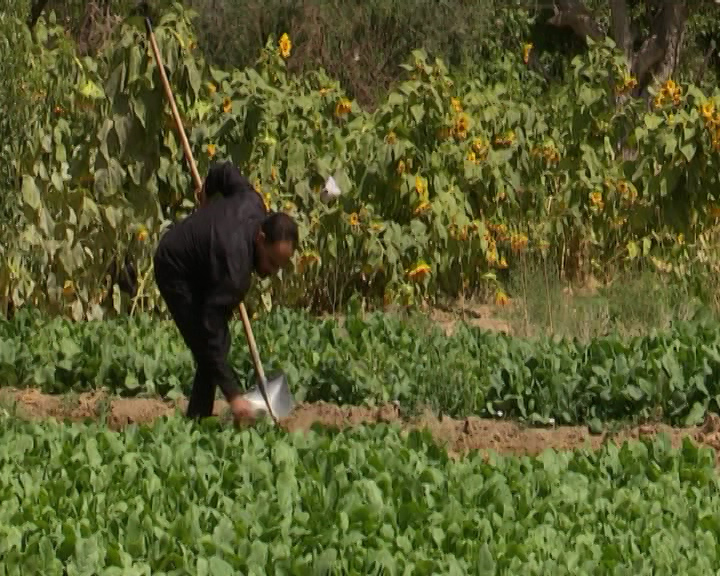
(198, 187)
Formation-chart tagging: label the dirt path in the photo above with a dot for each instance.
(458, 435)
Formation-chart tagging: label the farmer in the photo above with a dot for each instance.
(203, 266)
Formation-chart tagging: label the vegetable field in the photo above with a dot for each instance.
(412, 451)
(376, 358)
(179, 499)
(131, 487)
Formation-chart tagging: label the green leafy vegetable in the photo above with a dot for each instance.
(378, 358)
(178, 498)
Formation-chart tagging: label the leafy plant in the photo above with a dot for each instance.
(445, 184)
(176, 498)
(377, 359)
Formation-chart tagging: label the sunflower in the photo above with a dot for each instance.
(462, 124)
(707, 110)
(527, 48)
(420, 186)
(422, 207)
(501, 299)
(285, 45)
(420, 271)
(343, 106)
(307, 259)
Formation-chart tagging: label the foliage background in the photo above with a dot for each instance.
(462, 164)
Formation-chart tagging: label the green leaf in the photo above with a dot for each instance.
(296, 160)
(670, 141)
(396, 99)
(653, 121)
(193, 73)
(135, 59)
(595, 426)
(218, 567)
(418, 112)
(325, 562)
(647, 245)
(31, 193)
(688, 150)
(89, 89)
(485, 562)
(202, 567)
(93, 454)
(695, 416)
(69, 348)
(57, 181)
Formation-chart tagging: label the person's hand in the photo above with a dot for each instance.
(242, 410)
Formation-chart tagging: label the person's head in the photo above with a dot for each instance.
(275, 243)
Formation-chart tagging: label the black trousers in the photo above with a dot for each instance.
(184, 305)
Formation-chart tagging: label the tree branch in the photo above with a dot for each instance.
(649, 54)
(706, 62)
(574, 14)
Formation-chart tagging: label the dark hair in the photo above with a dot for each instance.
(279, 227)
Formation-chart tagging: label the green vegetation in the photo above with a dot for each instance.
(362, 44)
(449, 182)
(632, 304)
(485, 152)
(378, 358)
(174, 499)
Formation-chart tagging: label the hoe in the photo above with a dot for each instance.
(271, 395)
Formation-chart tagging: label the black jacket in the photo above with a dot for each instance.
(213, 252)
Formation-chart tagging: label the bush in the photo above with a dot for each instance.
(445, 183)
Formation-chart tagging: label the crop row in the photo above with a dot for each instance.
(379, 358)
(177, 499)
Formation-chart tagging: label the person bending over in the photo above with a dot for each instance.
(203, 266)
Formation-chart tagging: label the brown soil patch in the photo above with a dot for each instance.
(457, 435)
(480, 315)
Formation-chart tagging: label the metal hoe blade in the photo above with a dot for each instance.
(279, 396)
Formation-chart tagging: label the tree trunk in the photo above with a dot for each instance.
(574, 14)
(620, 25)
(36, 11)
(672, 29)
(657, 57)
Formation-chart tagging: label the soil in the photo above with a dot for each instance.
(481, 316)
(459, 436)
